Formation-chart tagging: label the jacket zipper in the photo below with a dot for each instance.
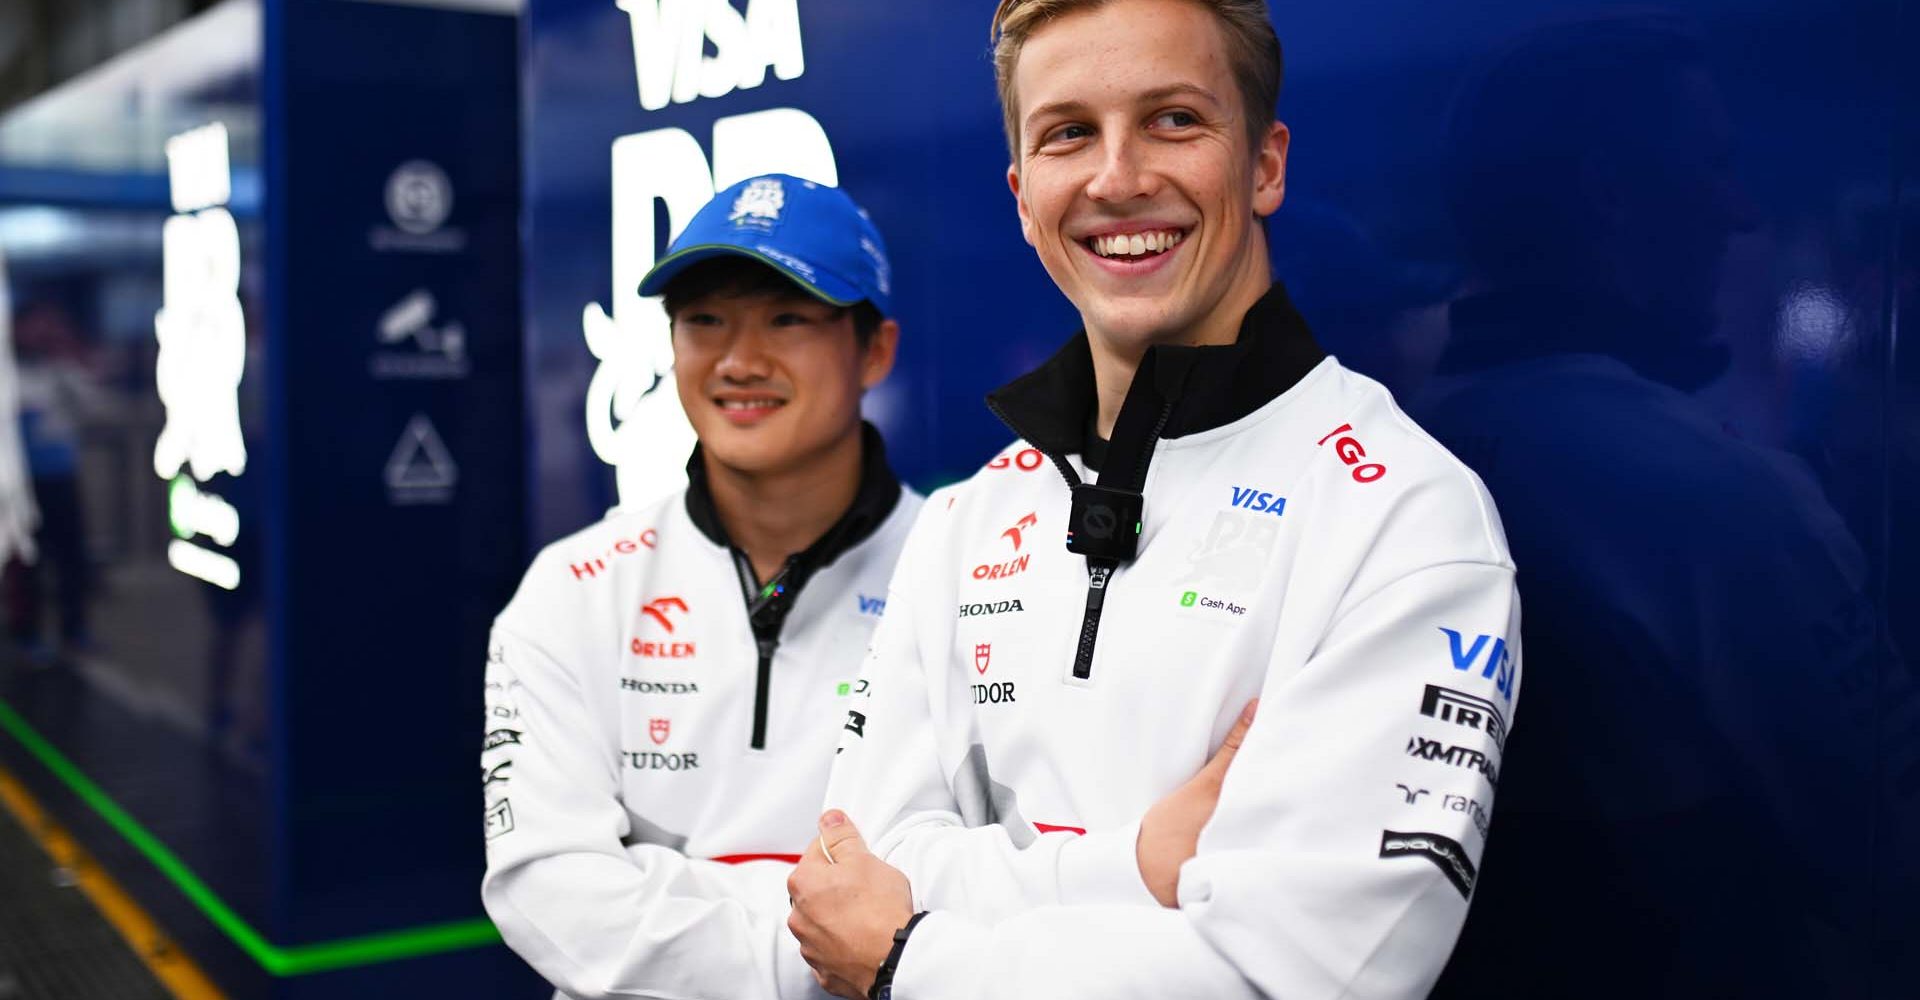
(767, 608)
(1099, 571)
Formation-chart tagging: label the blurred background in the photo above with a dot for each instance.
(317, 319)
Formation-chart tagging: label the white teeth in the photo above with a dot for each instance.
(748, 404)
(1136, 244)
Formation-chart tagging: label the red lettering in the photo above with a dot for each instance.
(1342, 429)
(582, 571)
(661, 650)
(1362, 475)
(649, 538)
(1349, 450)
(1032, 454)
(1000, 463)
(625, 547)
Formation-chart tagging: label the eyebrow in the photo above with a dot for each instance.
(1152, 96)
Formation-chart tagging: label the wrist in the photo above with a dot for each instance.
(882, 988)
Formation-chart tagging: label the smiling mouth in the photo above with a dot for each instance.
(749, 405)
(1135, 246)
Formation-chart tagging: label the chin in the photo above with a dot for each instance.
(1140, 322)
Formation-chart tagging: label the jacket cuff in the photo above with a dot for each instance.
(942, 960)
(1102, 867)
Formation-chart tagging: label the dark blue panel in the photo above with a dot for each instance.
(402, 421)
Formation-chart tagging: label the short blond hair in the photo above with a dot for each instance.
(1253, 52)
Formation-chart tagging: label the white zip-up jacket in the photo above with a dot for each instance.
(1303, 542)
(649, 783)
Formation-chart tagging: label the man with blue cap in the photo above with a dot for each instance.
(665, 690)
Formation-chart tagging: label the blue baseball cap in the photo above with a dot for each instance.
(812, 233)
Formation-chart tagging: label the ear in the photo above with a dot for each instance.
(1020, 203)
(1270, 170)
(882, 348)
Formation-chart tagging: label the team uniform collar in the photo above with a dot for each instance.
(879, 492)
(1051, 406)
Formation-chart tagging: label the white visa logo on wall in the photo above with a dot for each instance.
(635, 422)
(202, 334)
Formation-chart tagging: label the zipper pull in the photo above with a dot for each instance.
(1099, 572)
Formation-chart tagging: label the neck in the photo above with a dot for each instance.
(1115, 361)
(773, 515)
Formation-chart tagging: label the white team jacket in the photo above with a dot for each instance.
(637, 846)
(1319, 551)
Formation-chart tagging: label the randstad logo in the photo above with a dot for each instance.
(1255, 500)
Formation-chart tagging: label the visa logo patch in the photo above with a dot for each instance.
(1248, 498)
(871, 605)
(1496, 664)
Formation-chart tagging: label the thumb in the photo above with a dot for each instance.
(1216, 768)
(839, 838)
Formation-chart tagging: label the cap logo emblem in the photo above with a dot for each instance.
(759, 203)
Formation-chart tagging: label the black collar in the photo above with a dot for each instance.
(879, 492)
(1050, 406)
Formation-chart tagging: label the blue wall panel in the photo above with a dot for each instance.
(1645, 270)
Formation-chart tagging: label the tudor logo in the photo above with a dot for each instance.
(657, 609)
(1351, 452)
(982, 656)
(658, 730)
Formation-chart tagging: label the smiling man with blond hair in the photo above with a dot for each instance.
(1055, 784)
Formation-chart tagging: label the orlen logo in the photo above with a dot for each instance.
(1496, 665)
(661, 610)
(1351, 452)
(1016, 565)
(1026, 460)
(1251, 499)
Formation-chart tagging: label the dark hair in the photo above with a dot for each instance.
(734, 276)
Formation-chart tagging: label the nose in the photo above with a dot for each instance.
(744, 358)
(1121, 175)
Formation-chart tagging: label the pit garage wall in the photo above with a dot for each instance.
(281, 767)
(1804, 272)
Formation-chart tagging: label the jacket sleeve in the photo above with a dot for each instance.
(1314, 878)
(891, 779)
(571, 887)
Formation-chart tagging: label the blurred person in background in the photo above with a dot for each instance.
(1065, 789)
(1710, 719)
(18, 515)
(664, 692)
(60, 396)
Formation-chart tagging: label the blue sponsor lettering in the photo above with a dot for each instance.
(872, 605)
(1255, 500)
(1497, 665)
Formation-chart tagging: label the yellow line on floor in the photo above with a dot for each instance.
(166, 961)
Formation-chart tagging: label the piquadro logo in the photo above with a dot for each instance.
(1496, 665)
(684, 51)
(1259, 501)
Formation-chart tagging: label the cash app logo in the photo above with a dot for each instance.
(1187, 599)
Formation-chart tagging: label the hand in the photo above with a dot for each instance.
(1170, 831)
(846, 906)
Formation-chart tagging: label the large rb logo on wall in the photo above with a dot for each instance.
(634, 419)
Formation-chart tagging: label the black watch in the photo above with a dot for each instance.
(882, 988)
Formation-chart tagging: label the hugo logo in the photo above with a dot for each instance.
(1351, 451)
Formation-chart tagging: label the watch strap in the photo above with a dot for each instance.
(882, 988)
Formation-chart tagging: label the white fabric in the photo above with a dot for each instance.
(601, 835)
(1334, 611)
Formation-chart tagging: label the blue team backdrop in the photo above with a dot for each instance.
(1703, 214)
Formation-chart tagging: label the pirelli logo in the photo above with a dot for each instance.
(1463, 709)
